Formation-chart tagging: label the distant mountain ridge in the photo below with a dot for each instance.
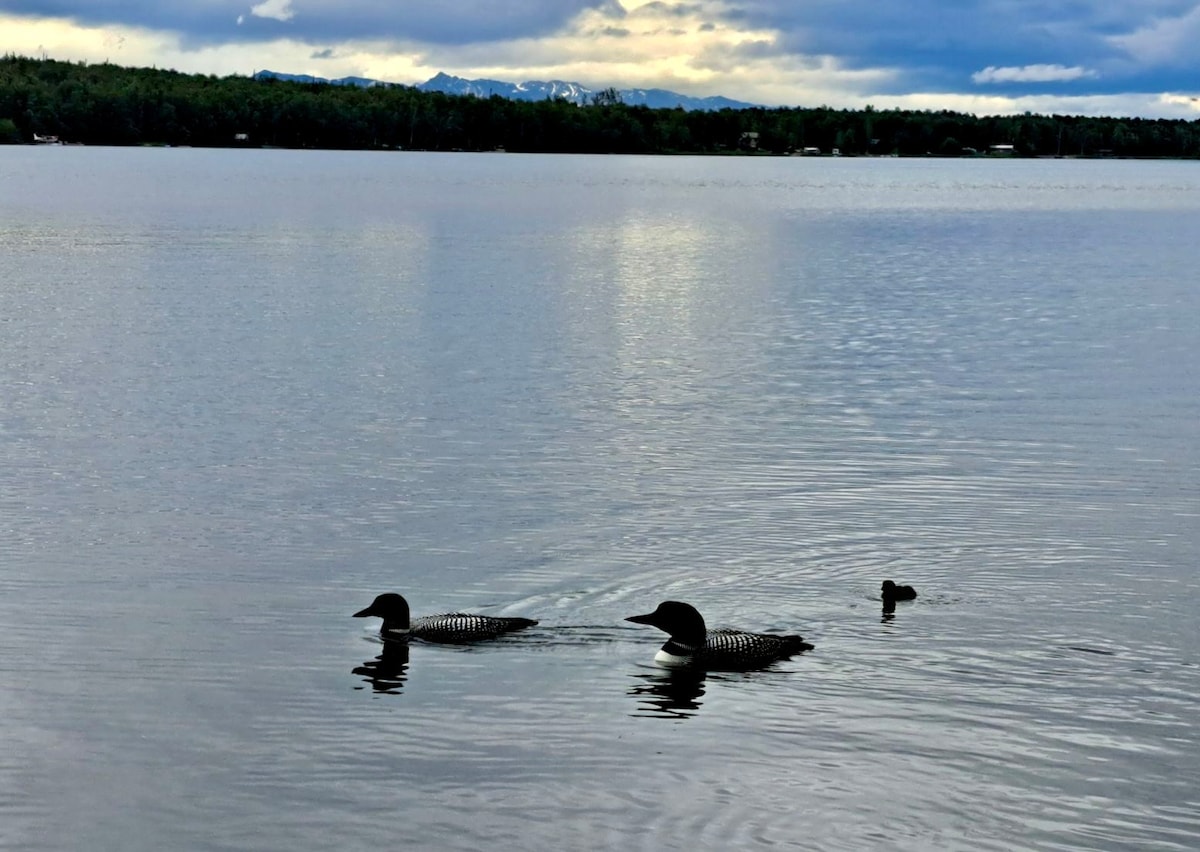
(531, 90)
(362, 82)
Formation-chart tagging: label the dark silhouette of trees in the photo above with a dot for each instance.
(607, 97)
(110, 105)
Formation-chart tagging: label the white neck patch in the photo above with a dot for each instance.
(671, 661)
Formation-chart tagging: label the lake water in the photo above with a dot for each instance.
(246, 391)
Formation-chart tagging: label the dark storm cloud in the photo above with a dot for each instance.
(322, 21)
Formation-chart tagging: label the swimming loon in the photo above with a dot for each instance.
(693, 645)
(456, 627)
(891, 593)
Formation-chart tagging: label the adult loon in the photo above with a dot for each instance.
(692, 645)
(891, 593)
(455, 627)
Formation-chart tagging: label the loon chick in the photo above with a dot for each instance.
(693, 645)
(892, 593)
(455, 627)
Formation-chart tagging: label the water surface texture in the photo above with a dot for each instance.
(246, 391)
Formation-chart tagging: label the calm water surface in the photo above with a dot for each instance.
(243, 392)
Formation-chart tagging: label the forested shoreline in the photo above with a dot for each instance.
(108, 104)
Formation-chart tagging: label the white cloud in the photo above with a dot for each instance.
(1188, 103)
(1131, 104)
(280, 10)
(1166, 41)
(1032, 74)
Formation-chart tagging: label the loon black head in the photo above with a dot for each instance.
(683, 621)
(392, 608)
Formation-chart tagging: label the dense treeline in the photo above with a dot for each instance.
(111, 105)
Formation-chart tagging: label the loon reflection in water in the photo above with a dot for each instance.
(388, 672)
(674, 694)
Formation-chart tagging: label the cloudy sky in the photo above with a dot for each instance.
(1103, 57)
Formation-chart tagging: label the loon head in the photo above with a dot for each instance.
(682, 621)
(392, 608)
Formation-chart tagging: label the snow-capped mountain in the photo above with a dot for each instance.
(538, 90)
(532, 90)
